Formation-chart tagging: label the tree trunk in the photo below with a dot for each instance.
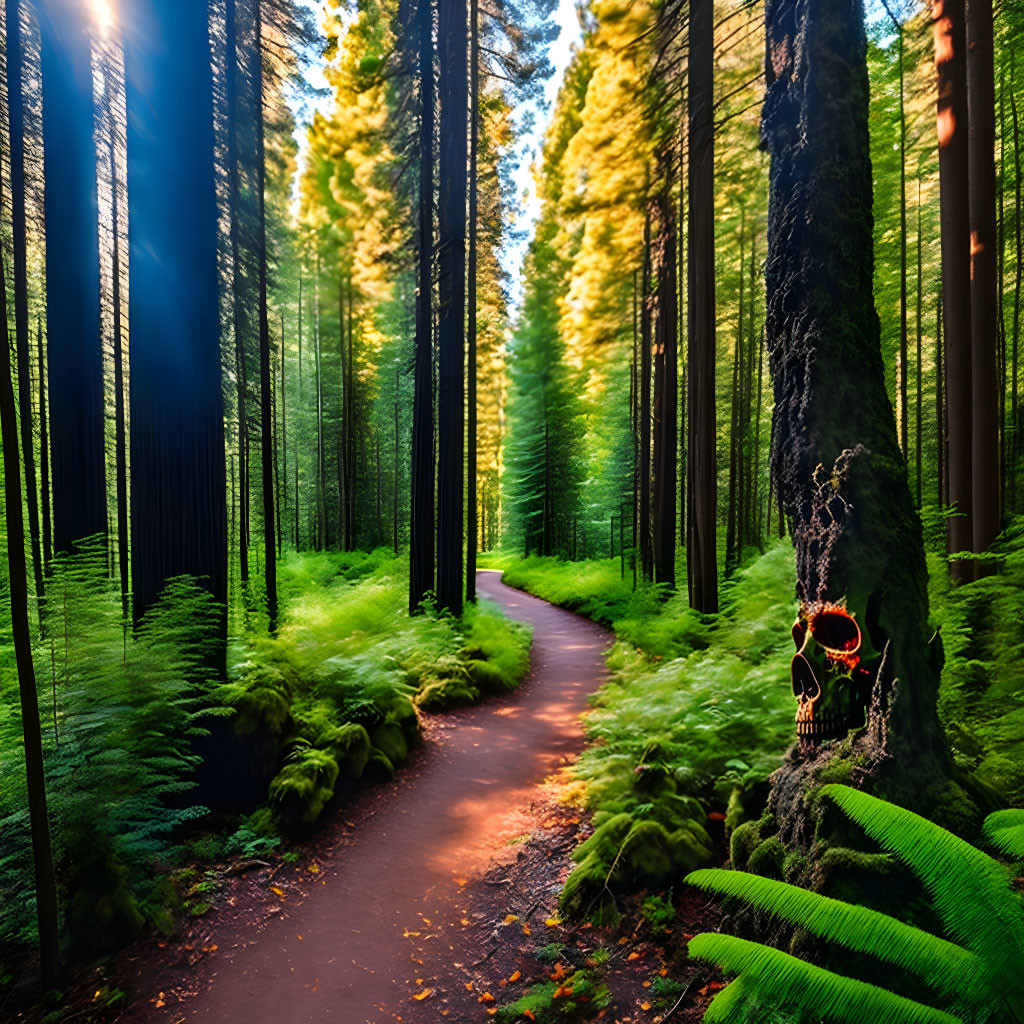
(299, 408)
(950, 63)
(237, 294)
(665, 389)
(282, 483)
(471, 412)
(120, 443)
(901, 400)
(47, 913)
(44, 450)
(421, 514)
(1019, 232)
(342, 460)
(983, 253)
(394, 497)
(179, 525)
(19, 242)
(701, 302)
(268, 445)
(452, 41)
(842, 474)
(941, 484)
(918, 378)
(644, 414)
(72, 277)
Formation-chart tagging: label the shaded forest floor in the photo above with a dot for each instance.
(440, 890)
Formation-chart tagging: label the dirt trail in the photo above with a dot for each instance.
(387, 919)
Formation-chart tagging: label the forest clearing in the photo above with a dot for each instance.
(511, 510)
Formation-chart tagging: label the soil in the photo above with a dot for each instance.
(429, 899)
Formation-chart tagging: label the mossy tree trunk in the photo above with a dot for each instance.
(841, 473)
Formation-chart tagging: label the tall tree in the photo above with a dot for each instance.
(39, 823)
(421, 526)
(981, 142)
(179, 521)
(267, 446)
(701, 300)
(951, 67)
(453, 40)
(842, 474)
(16, 110)
(471, 374)
(72, 274)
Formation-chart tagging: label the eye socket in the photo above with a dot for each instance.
(805, 682)
(799, 633)
(836, 630)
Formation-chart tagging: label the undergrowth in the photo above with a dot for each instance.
(143, 735)
(695, 717)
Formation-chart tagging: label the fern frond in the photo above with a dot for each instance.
(939, 963)
(785, 981)
(969, 889)
(1005, 830)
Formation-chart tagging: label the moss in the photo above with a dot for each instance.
(439, 694)
(768, 858)
(304, 786)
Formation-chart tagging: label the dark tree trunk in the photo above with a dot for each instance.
(72, 276)
(644, 413)
(350, 416)
(120, 441)
(282, 481)
(471, 415)
(453, 84)
(47, 913)
(665, 390)
(394, 497)
(320, 511)
(421, 518)
(941, 485)
(730, 511)
(298, 406)
(841, 471)
(950, 63)
(701, 302)
(179, 525)
(268, 444)
(44, 450)
(983, 254)
(237, 294)
(901, 398)
(19, 241)
(1019, 268)
(918, 378)
(342, 424)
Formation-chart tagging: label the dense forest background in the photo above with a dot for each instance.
(271, 396)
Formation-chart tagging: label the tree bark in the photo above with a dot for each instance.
(842, 474)
(644, 413)
(950, 63)
(268, 445)
(701, 302)
(471, 412)
(983, 255)
(47, 914)
(44, 450)
(1019, 268)
(421, 518)
(665, 388)
(72, 276)
(19, 243)
(453, 86)
(179, 522)
(299, 407)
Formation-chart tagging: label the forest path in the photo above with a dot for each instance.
(386, 915)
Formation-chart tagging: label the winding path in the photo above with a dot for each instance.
(387, 919)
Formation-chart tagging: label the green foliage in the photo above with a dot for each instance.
(982, 697)
(121, 712)
(575, 997)
(675, 739)
(974, 977)
(658, 911)
(1005, 831)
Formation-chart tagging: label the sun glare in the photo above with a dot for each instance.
(104, 14)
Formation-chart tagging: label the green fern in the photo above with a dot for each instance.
(977, 977)
(788, 981)
(1005, 830)
(941, 964)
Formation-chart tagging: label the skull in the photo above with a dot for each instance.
(828, 672)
